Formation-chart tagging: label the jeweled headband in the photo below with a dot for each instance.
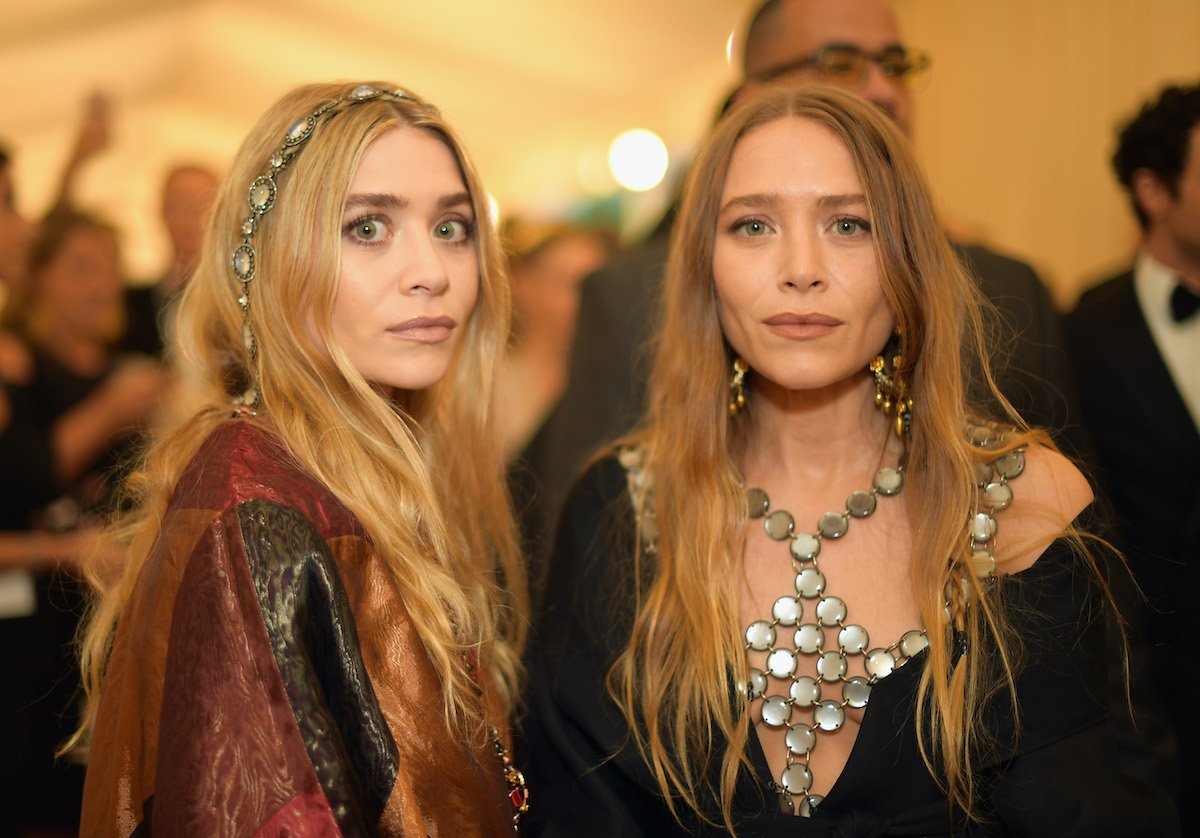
(261, 197)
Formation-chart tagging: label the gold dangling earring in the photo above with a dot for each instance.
(891, 390)
(737, 387)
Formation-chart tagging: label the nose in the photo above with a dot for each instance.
(802, 261)
(424, 268)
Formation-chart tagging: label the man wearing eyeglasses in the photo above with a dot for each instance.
(850, 44)
(853, 44)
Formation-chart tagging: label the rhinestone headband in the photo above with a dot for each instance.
(261, 198)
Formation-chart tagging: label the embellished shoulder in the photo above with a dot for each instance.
(641, 496)
(994, 494)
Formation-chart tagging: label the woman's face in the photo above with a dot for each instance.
(80, 292)
(794, 266)
(410, 269)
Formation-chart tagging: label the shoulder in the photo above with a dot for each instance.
(593, 547)
(998, 272)
(1047, 498)
(1112, 297)
(601, 483)
(597, 504)
(243, 461)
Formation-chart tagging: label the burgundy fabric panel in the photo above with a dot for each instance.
(230, 751)
(243, 461)
(307, 814)
(124, 746)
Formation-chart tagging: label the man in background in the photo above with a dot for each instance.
(1135, 345)
(187, 198)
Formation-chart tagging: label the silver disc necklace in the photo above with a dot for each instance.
(797, 628)
(821, 700)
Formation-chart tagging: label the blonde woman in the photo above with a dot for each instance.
(815, 594)
(319, 627)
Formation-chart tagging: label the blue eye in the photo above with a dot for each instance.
(452, 230)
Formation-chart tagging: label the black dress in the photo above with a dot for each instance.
(1062, 776)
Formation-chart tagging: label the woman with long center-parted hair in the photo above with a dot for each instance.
(817, 592)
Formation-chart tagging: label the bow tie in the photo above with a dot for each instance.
(1184, 304)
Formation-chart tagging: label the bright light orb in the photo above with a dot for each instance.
(638, 159)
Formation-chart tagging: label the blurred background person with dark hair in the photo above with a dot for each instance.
(546, 268)
(1135, 343)
(187, 198)
(69, 404)
(547, 264)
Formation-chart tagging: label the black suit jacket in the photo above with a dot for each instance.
(1148, 462)
(1147, 446)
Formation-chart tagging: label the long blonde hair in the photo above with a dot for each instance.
(424, 479)
(673, 680)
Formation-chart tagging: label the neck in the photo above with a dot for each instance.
(1167, 250)
(824, 436)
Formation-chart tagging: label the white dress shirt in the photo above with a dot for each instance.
(1178, 343)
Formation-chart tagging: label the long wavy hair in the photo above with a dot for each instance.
(673, 680)
(424, 478)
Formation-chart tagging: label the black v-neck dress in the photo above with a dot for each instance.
(1061, 776)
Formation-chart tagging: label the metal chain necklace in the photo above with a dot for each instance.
(816, 694)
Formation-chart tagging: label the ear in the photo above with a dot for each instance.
(1150, 193)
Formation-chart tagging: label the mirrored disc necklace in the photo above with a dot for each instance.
(797, 627)
(820, 695)
(804, 617)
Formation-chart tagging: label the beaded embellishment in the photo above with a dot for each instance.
(518, 792)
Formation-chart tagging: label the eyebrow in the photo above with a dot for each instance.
(386, 200)
(893, 46)
(771, 199)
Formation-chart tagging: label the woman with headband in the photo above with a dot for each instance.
(319, 627)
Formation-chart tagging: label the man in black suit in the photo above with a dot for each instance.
(1135, 345)
(855, 44)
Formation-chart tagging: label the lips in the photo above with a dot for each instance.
(424, 329)
(813, 319)
(802, 326)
